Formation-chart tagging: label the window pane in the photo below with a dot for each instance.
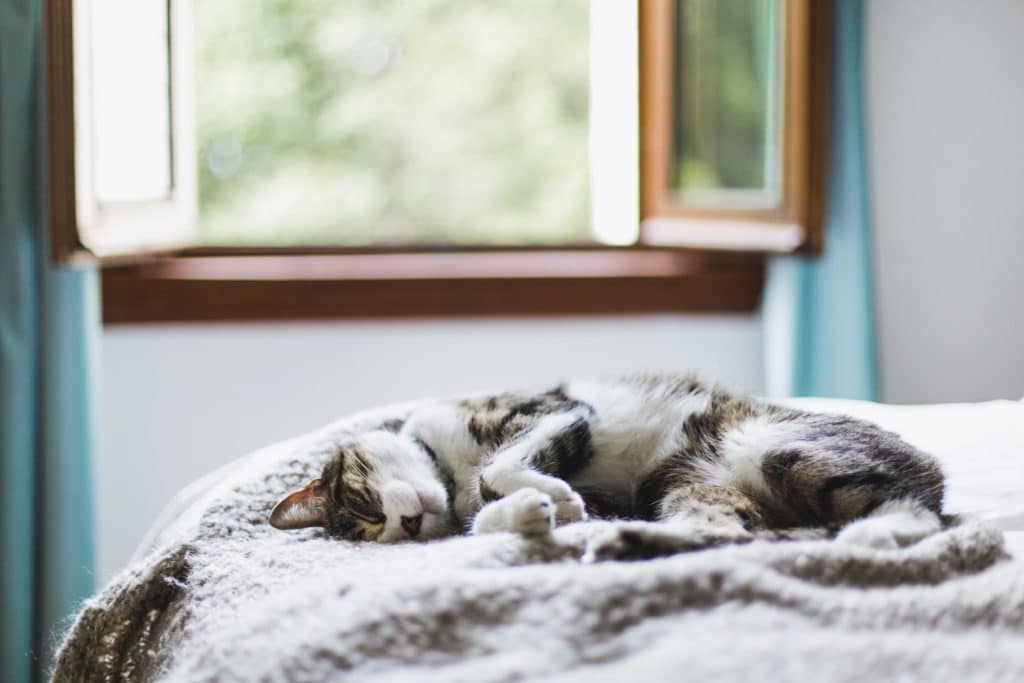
(729, 106)
(132, 121)
(372, 121)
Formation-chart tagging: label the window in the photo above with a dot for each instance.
(303, 123)
(727, 135)
(734, 122)
(300, 158)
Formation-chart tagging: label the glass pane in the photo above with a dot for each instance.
(729, 105)
(373, 121)
(132, 120)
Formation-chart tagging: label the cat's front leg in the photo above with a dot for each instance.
(527, 511)
(498, 481)
(558, 442)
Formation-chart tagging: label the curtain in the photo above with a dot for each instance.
(49, 327)
(818, 313)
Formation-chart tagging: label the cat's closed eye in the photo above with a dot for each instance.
(370, 527)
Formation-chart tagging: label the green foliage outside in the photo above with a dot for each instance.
(383, 121)
(728, 65)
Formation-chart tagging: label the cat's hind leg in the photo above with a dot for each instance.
(720, 510)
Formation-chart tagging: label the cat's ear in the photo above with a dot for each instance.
(302, 508)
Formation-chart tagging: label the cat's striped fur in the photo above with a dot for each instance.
(670, 451)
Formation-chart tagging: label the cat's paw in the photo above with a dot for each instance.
(528, 512)
(646, 540)
(569, 507)
(532, 512)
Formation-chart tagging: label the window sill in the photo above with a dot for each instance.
(229, 285)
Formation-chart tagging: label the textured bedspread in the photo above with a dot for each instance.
(229, 598)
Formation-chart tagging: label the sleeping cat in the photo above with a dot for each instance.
(672, 452)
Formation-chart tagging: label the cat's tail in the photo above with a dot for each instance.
(895, 524)
(808, 533)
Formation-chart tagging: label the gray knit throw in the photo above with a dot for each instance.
(231, 599)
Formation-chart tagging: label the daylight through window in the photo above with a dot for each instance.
(358, 122)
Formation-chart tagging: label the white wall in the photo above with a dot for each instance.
(946, 122)
(178, 401)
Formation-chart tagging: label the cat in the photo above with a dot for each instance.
(671, 452)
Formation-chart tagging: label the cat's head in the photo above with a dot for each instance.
(379, 486)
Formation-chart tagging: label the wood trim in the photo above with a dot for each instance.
(388, 285)
(796, 114)
(656, 21)
(819, 103)
(58, 31)
(805, 120)
(83, 229)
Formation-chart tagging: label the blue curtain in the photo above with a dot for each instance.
(49, 327)
(818, 314)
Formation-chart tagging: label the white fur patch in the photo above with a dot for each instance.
(442, 426)
(742, 454)
(632, 432)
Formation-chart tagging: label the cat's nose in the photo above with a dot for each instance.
(412, 525)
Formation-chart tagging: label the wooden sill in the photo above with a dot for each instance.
(211, 285)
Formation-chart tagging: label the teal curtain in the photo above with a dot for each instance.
(49, 327)
(818, 314)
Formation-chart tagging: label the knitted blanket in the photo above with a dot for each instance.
(229, 598)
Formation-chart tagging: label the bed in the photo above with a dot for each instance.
(214, 593)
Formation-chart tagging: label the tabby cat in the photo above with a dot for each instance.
(670, 451)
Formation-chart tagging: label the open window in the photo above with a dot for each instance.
(122, 133)
(247, 155)
(734, 113)
(303, 124)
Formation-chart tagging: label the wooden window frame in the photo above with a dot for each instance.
(229, 284)
(113, 230)
(797, 224)
(221, 285)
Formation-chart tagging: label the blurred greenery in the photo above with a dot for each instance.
(729, 71)
(389, 121)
